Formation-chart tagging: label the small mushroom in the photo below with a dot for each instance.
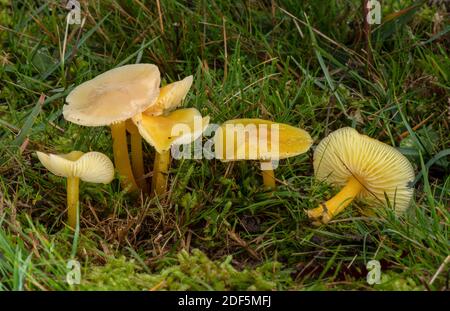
(179, 127)
(263, 140)
(170, 97)
(110, 99)
(94, 167)
(365, 168)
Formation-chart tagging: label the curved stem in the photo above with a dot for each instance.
(326, 211)
(121, 159)
(160, 172)
(268, 175)
(137, 160)
(72, 200)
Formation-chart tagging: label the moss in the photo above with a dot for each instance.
(397, 282)
(117, 274)
(192, 272)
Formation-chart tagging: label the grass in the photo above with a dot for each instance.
(298, 62)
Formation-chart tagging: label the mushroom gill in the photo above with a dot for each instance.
(365, 168)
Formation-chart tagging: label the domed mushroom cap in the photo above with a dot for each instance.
(170, 97)
(182, 126)
(379, 167)
(94, 167)
(253, 140)
(113, 96)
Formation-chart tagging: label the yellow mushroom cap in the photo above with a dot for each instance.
(113, 96)
(94, 167)
(253, 140)
(380, 168)
(170, 97)
(179, 127)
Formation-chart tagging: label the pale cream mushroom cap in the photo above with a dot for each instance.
(113, 96)
(257, 141)
(380, 168)
(179, 127)
(170, 97)
(94, 167)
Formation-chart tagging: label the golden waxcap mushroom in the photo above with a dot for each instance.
(113, 96)
(257, 139)
(365, 168)
(94, 167)
(110, 99)
(179, 127)
(170, 97)
(161, 131)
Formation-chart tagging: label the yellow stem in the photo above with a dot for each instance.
(160, 172)
(137, 160)
(268, 175)
(121, 159)
(325, 212)
(72, 200)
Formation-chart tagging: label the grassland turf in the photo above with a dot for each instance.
(305, 63)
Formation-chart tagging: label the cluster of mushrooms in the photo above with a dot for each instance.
(129, 99)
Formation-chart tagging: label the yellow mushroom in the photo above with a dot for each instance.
(110, 99)
(365, 168)
(94, 167)
(170, 97)
(263, 140)
(176, 128)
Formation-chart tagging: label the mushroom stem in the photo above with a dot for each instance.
(121, 159)
(268, 175)
(137, 160)
(160, 172)
(72, 200)
(336, 204)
